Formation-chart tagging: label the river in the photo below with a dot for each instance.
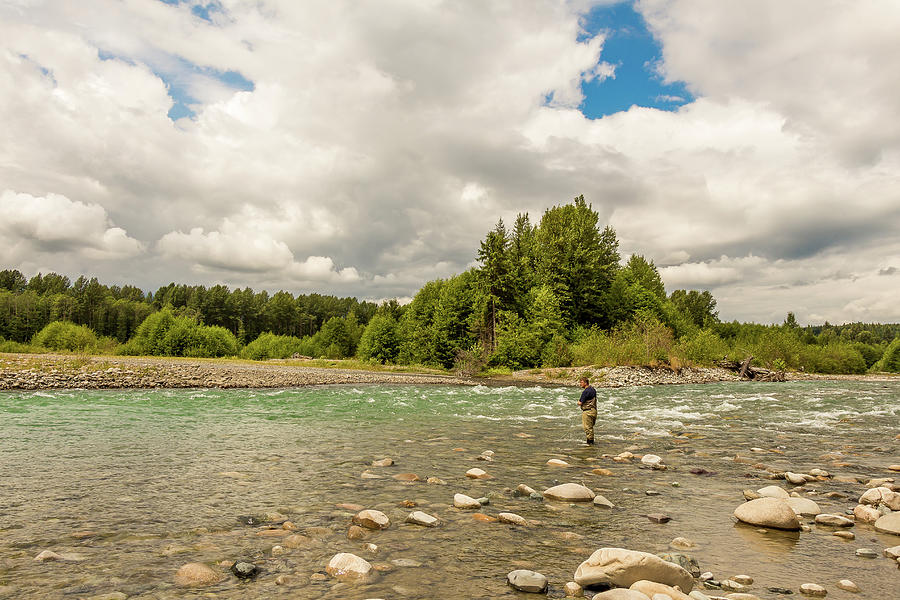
(132, 484)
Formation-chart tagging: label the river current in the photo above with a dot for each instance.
(132, 484)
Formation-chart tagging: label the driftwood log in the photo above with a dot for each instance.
(744, 369)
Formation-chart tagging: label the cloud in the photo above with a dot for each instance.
(374, 145)
(239, 250)
(54, 224)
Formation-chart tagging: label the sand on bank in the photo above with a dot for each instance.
(62, 371)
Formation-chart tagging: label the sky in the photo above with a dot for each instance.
(365, 148)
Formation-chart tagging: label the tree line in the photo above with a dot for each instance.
(548, 294)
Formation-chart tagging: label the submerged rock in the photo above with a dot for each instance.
(371, 519)
(196, 575)
(467, 502)
(512, 519)
(833, 520)
(244, 570)
(848, 586)
(420, 518)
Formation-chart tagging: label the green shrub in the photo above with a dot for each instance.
(64, 335)
(269, 345)
(702, 348)
(557, 352)
(164, 334)
(379, 341)
(834, 357)
(890, 360)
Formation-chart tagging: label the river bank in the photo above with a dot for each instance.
(60, 371)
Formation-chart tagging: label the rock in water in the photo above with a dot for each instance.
(527, 581)
(813, 589)
(659, 518)
(555, 462)
(621, 594)
(621, 567)
(573, 590)
(349, 567)
(866, 514)
(420, 518)
(196, 575)
(651, 459)
(244, 570)
(384, 462)
(463, 501)
(833, 520)
(371, 519)
(889, 523)
(477, 473)
(512, 519)
(600, 500)
(848, 586)
(651, 588)
(569, 492)
(768, 512)
(685, 561)
(804, 506)
(773, 491)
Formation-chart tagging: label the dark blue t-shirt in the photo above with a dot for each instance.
(588, 398)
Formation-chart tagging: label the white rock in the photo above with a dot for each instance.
(812, 589)
(476, 473)
(743, 579)
(866, 514)
(555, 462)
(873, 496)
(569, 492)
(573, 590)
(420, 518)
(651, 459)
(804, 506)
(892, 552)
(773, 491)
(768, 512)
(196, 575)
(527, 581)
(682, 543)
(653, 589)
(371, 519)
(349, 567)
(463, 501)
(621, 567)
(847, 585)
(47, 555)
(511, 518)
(819, 473)
(795, 478)
(621, 594)
(600, 500)
(833, 520)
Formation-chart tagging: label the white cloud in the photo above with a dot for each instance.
(381, 141)
(55, 224)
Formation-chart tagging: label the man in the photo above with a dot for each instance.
(588, 404)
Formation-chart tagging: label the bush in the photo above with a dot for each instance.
(835, 357)
(645, 340)
(164, 334)
(380, 340)
(702, 348)
(557, 352)
(890, 360)
(269, 345)
(64, 335)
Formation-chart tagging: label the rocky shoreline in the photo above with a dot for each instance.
(57, 371)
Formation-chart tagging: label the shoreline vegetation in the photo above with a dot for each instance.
(72, 371)
(553, 295)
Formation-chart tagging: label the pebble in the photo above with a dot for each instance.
(523, 490)
(406, 477)
(603, 472)
(847, 535)
(892, 552)
(659, 518)
(435, 481)
(813, 589)
(573, 590)
(384, 462)
(349, 567)
(600, 500)
(730, 585)
(356, 533)
(683, 544)
(833, 520)
(555, 462)
(652, 493)
(743, 579)
(244, 570)
(371, 519)
(651, 459)
(866, 553)
(512, 519)
(848, 586)
(467, 502)
(477, 473)
(420, 518)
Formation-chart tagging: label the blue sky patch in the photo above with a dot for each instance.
(634, 52)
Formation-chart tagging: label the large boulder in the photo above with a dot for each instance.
(889, 523)
(620, 567)
(569, 492)
(349, 567)
(651, 588)
(768, 512)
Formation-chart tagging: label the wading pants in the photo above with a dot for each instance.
(588, 417)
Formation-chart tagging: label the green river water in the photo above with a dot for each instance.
(136, 483)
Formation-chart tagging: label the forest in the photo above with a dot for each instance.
(549, 294)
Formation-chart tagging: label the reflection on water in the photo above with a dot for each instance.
(136, 483)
